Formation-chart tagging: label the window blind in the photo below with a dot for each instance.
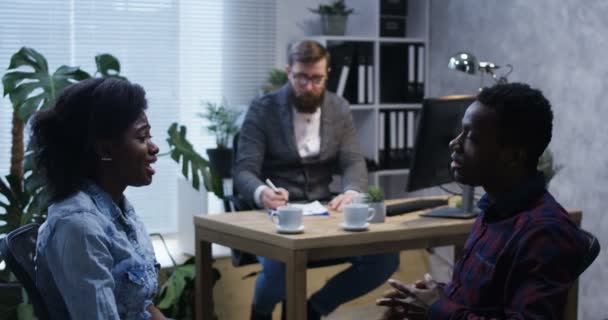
(181, 52)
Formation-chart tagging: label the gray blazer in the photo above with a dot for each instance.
(267, 149)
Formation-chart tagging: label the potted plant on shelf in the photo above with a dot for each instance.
(222, 123)
(375, 199)
(333, 17)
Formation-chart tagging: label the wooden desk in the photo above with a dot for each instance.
(254, 232)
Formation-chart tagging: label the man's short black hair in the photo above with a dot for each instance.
(524, 117)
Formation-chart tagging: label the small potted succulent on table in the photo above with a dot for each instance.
(375, 199)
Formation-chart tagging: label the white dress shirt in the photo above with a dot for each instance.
(307, 129)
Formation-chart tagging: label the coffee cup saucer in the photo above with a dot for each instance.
(354, 228)
(300, 229)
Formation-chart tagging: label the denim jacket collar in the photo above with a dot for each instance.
(104, 201)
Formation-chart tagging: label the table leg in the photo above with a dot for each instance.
(204, 280)
(295, 274)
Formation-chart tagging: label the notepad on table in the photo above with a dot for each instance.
(314, 208)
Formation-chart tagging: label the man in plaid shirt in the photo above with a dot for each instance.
(523, 252)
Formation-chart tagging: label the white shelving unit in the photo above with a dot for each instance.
(366, 116)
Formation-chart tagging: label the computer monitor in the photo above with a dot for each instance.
(440, 122)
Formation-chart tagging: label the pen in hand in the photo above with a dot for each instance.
(272, 186)
(282, 195)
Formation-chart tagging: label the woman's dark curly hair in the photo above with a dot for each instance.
(64, 135)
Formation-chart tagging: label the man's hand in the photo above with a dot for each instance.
(410, 301)
(341, 200)
(273, 200)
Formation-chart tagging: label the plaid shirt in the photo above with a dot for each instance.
(519, 260)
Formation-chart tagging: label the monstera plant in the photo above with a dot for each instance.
(194, 166)
(31, 86)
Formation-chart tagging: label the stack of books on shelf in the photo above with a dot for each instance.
(352, 71)
(396, 130)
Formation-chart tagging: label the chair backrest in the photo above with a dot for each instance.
(18, 250)
(593, 249)
(592, 252)
(233, 203)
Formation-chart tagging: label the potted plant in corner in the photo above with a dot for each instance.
(375, 198)
(222, 123)
(333, 17)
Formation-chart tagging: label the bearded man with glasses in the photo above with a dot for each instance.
(299, 137)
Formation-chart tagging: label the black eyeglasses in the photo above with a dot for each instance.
(302, 79)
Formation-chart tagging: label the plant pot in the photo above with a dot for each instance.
(220, 160)
(380, 214)
(333, 25)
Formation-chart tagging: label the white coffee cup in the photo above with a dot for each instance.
(356, 215)
(287, 218)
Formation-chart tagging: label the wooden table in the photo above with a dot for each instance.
(253, 231)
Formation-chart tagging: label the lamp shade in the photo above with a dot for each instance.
(465, 62)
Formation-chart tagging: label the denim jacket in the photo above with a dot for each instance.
(94, 261)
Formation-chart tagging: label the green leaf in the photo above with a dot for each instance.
(15, 204)
(6, 191)
(11, 79)
(335, 8)
(29, 57)
(194, 166)
(107, 65)
(222, 121)
(30, 106)
(172, 290)
(23, 91)
(32, 90)
(375, 194)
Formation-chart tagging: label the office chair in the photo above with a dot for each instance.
(592, 252)
(233, 203)
(18, 250)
